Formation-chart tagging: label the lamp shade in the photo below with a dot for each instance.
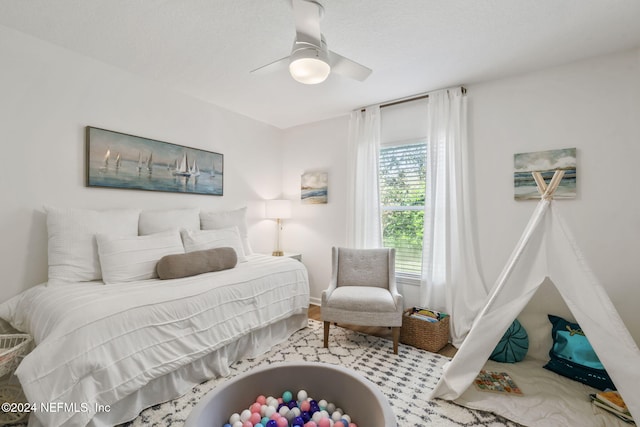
(309, 66)
(278, 209)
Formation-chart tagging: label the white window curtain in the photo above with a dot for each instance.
(450, 281)
(363, 193)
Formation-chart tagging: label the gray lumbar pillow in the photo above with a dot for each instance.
(198, 262)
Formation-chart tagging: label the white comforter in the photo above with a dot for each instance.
(98, 343)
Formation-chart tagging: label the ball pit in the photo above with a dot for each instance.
(345, 399)
(289, 413)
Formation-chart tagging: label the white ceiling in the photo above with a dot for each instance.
(206, 48)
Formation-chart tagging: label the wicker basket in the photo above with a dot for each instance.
(11, 393)
(12, 346)
(430, 336)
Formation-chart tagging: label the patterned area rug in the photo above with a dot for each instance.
(405, 379)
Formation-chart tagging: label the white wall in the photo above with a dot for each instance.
(592, 105)
(47, 97)
(314, 229)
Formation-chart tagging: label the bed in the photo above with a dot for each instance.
(105, 352)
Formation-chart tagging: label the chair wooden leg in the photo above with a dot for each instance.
(396, 337)
(326, 334)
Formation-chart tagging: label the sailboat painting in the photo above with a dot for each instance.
(119, 160)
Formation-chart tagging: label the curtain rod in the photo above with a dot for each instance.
(409, 99)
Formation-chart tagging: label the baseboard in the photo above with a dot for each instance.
(314, 301)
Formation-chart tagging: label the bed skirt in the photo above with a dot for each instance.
(214, 365)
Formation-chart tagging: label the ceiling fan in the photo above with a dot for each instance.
(310, 61)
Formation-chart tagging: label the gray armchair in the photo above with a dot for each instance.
(363, 291)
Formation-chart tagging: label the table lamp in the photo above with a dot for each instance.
(278, 210)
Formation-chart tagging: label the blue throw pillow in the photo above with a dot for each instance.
(513, 345)
(573, 357)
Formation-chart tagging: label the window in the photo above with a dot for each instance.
(402, 171)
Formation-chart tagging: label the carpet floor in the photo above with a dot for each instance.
(405, 379)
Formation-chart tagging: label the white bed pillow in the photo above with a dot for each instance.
(216, 220)
(131, 258)
(158, 221)
(209, 239)
(72, 249)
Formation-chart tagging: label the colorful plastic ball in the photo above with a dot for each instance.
(297, 422)
(292, 404)
(322, 404)
(331, 408)
(255, 407)
(283, 410)
(237, 424)
(324, 422)
(340, 423)
(261, 399)
(264, 421)
(306, 416)
(302, 395)
(234, 418)
(227, 425)
(247, 424)
(287, 396)
(352, 425)
(255, 418)
(245, 415)
(272, 423)
(311, 424)
(270, 411)
(282, 422)
(259, 425)
(305, 406)
(336, 416)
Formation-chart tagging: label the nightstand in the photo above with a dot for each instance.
(293, 255)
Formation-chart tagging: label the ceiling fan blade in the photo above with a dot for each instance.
(280, 64)
(307, 15)
(347, 67)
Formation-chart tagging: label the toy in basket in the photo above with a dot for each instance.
(12, 348)
(425, 329)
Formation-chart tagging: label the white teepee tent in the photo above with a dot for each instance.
(546, 249)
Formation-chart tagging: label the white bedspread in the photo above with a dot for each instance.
(97, 343)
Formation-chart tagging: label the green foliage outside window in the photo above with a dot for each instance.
(402, 195)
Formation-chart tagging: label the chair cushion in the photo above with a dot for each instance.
(369, 267)
(361, 299)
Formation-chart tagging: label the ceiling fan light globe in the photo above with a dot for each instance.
(308, 67)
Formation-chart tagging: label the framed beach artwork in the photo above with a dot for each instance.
(313, 188)
(545, 162)
(118, 160)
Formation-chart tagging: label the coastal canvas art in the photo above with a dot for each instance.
(119, 160)
(545, 162)
(314, 186)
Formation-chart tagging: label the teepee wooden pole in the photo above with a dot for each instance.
(546, 191)
(542, 186)
(555, 182)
